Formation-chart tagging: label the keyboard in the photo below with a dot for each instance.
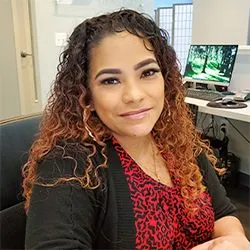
(204, 94)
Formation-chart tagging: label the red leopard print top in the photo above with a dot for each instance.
(161, 221)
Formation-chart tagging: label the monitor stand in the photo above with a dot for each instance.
(198, 85)
(221, 88)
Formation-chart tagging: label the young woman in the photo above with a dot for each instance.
(118, 163)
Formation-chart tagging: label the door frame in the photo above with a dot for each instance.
(29, 90)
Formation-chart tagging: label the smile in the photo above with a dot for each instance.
(135, 115)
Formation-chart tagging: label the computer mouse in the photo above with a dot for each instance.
(228, 101)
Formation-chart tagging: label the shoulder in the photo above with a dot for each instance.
(202, 160)
(68, 159)
(221, 203)
(210, 179)
(208, 172)
(204, 165)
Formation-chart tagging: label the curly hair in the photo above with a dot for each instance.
(63, 118)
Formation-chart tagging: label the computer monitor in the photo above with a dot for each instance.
(210, 64)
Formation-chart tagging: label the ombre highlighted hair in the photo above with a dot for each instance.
(67, 116)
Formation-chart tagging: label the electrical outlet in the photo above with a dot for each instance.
(60, 39)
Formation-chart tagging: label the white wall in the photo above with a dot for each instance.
(51, 18)
(241, 74)
(228, 21)
(221, 21)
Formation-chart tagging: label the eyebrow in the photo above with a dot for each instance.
(144, 63)
(118, 71)
(108, 71)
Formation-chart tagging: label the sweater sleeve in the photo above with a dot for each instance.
(62, 216)
(221, 203)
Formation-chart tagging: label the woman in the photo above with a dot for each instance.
(118, 163)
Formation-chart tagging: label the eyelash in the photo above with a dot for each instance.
(108, 81)
(150, 72)
(146, 73)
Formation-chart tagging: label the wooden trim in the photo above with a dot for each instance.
(20, 118)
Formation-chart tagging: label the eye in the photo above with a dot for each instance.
(110, 81)
(149, 72)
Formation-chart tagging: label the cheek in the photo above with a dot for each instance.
(102, 111)
(104, 105)
(160, 96)
(159, 91)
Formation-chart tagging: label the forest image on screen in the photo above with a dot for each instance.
(211, 63)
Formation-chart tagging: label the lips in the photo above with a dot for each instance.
(137, 114)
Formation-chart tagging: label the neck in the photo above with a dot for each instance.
(136, 147)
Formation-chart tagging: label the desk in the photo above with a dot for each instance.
(242, 114)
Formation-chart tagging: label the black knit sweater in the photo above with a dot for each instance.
(69, 217)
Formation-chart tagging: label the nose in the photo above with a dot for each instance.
(132, 92)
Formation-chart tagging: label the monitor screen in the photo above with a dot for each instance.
(212, 64)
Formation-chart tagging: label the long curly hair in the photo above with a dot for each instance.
(67, 115)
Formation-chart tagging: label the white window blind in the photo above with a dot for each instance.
(177, 21)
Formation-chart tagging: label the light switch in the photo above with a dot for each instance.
(68, 2)
(61, 39)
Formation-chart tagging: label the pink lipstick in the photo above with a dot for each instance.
(137, 114)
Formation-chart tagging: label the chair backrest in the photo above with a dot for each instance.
(17, 136)
(12, 224)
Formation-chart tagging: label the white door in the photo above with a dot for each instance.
(30, 101)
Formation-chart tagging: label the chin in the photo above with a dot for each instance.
(140, 131)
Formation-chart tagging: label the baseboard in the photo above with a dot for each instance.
(244, 180)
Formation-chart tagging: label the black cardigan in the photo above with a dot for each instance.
(70, 217)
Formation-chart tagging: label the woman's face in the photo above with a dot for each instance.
(126, 84)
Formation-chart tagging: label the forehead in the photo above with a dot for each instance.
(120, 49)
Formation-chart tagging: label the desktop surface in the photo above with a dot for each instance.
(242, 114)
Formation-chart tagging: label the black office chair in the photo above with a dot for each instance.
(17, 136)
(13, 222)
